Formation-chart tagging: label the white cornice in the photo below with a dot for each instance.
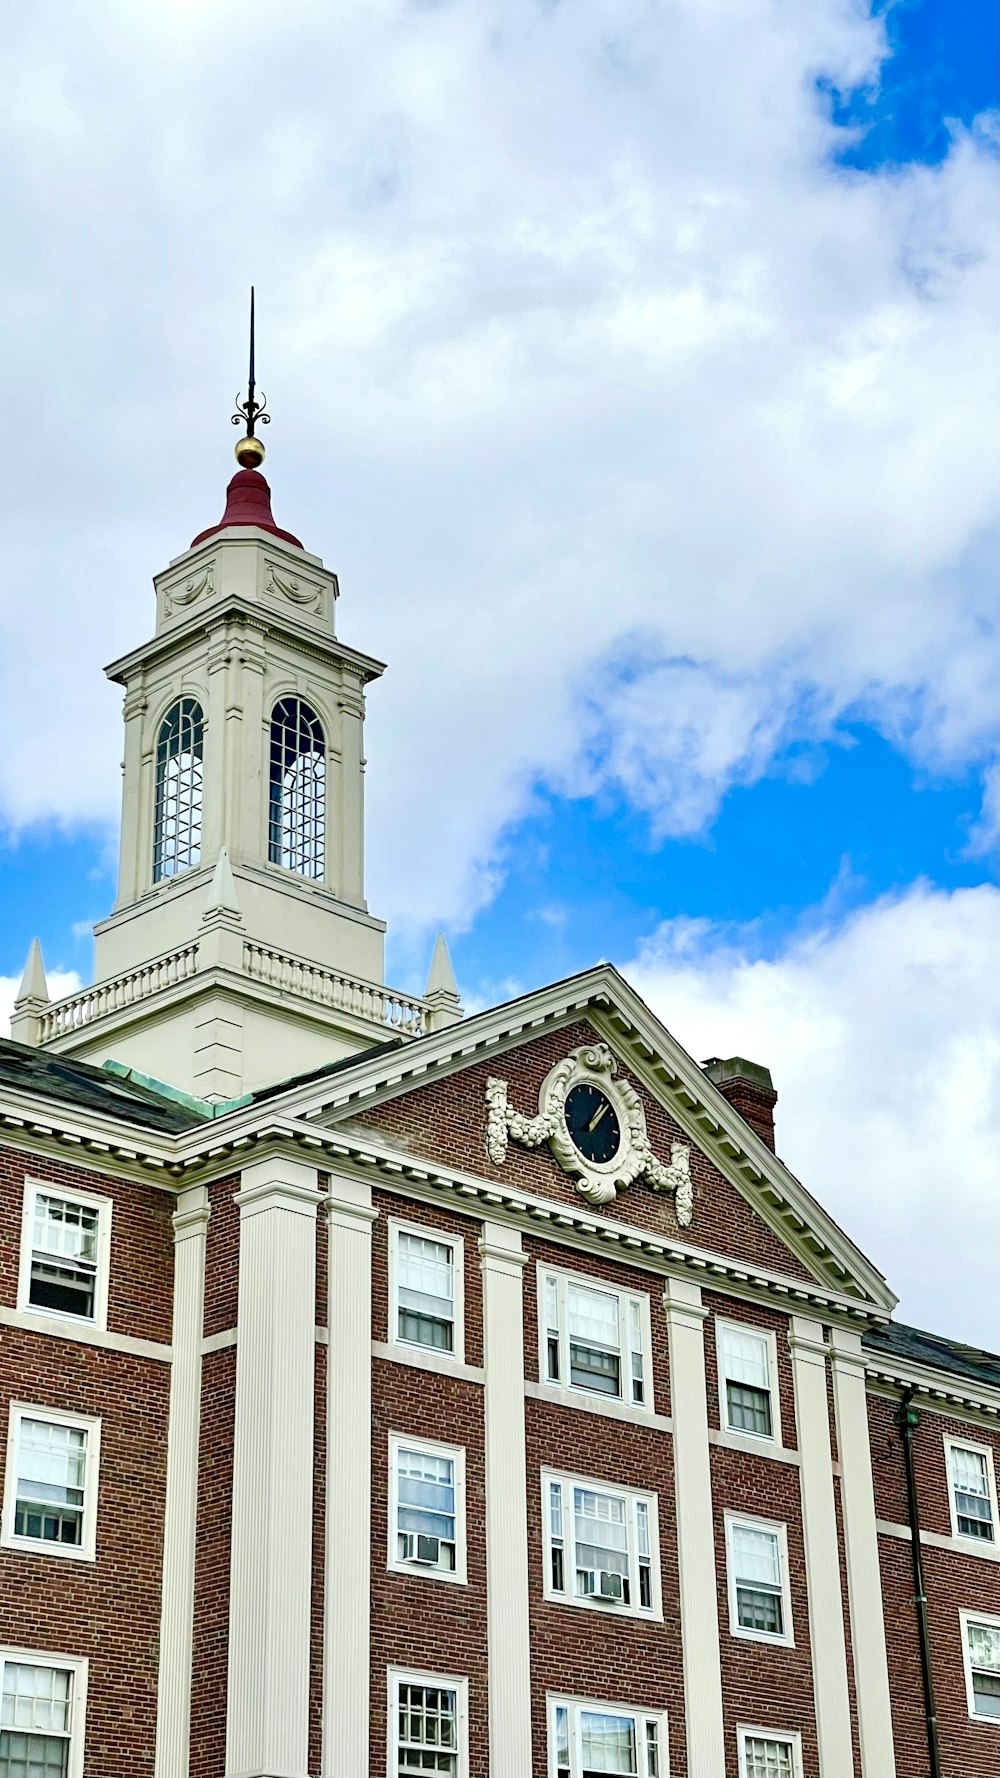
(939, 1391)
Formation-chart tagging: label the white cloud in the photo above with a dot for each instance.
(880, 1033)
(59, 981)
(581, 352)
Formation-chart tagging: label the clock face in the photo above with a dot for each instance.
(592, 1122)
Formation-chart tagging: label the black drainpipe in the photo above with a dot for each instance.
(908, 1419)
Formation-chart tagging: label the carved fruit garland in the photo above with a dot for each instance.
(635, 1160)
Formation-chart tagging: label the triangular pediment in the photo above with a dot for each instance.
(431, 1100)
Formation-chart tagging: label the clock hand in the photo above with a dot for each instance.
(595, 1120)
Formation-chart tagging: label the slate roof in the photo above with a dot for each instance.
(913, 1346)
(87, 1088)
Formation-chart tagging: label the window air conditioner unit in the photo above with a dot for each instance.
(610, 1584)
(428, 1550)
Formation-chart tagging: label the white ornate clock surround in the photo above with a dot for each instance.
(597, 1181)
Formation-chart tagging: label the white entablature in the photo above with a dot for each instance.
(240, 950)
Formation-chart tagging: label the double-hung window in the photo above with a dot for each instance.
(757, 1563)
(64, 1253)
(595, 1339)
(594, 1740)
(426, 1290)
(427, 1508)
(972, 1491)
(50, 1493)
(601, 1545)
(981, 1654)
(748, 1376)
(42, 1700)
(764, 1754)
(428, 1725)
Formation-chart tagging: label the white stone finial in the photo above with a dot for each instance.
(441, 992)
(222, 896)
(34, 988)
(32, 999)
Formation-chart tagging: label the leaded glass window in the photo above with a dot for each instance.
(297, 818)
(180, 749)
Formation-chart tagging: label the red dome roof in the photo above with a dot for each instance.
(248, 502)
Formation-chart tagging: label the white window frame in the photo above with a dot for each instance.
(396, 1676)
(104, 1206)
(968, 1444)
(780, 1530)
(78, 1666)
(746, 1730)
(444, 1238)
(396, 1563)
(593, 1602)
(583, 1281)
(86, 1550)
(989, 1622)
(560, 1701)
(762, 1333)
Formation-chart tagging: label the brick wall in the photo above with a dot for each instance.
(109, 1609)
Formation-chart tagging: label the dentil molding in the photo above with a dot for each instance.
(597, 1181)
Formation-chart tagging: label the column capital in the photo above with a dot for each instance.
(846, 1350)
(191, 1217)
(278, 1184)
(682, 1301)
(348, 1205)
(805, 1337)
(500, 1249)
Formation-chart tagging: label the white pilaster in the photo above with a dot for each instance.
(347, 1588)
(819, 1525)
(706, 1750)
(864, 1584)
(173, 1710)
(508, 1638)
(267, 1725)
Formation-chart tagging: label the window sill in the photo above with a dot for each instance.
(413, 1572)
(935, 1540)
(66, 1328)
(752, 1446)
(760, 1637)
(428, 1361)
(603, 1608)
(31, 1546)
(596, 1404)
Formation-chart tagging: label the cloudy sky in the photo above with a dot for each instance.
(633, 362)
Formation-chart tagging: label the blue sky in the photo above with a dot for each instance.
(635, 380)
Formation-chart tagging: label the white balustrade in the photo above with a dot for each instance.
(77, 1010)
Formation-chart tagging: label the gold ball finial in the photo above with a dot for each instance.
(250, 453)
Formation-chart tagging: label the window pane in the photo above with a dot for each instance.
(297, 822)
(984, 1647)
(69, 1230)
(601, 1534)
(34, 1721)
(744, 1357)
(759, 1609)
(607, 1743)
(51, 1470)
(425, 1291)
(768, 1759)
(748, 1410)
(426, 1494)
(970, 1480)
(427, 1729)
(33, 1756)
(592, 1368)
(756, 1554)
(592, 1315)
(180, 747)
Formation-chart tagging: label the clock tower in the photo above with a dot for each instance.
(240, 950)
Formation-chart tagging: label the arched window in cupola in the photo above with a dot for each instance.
(297, 824)
(180, 748)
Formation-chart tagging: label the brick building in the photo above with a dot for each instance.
(392, 1392)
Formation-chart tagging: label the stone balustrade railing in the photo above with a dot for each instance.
(290, 975)
(118, 992)
(366, 1000)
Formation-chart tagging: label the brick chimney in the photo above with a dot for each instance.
(749, 1089)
